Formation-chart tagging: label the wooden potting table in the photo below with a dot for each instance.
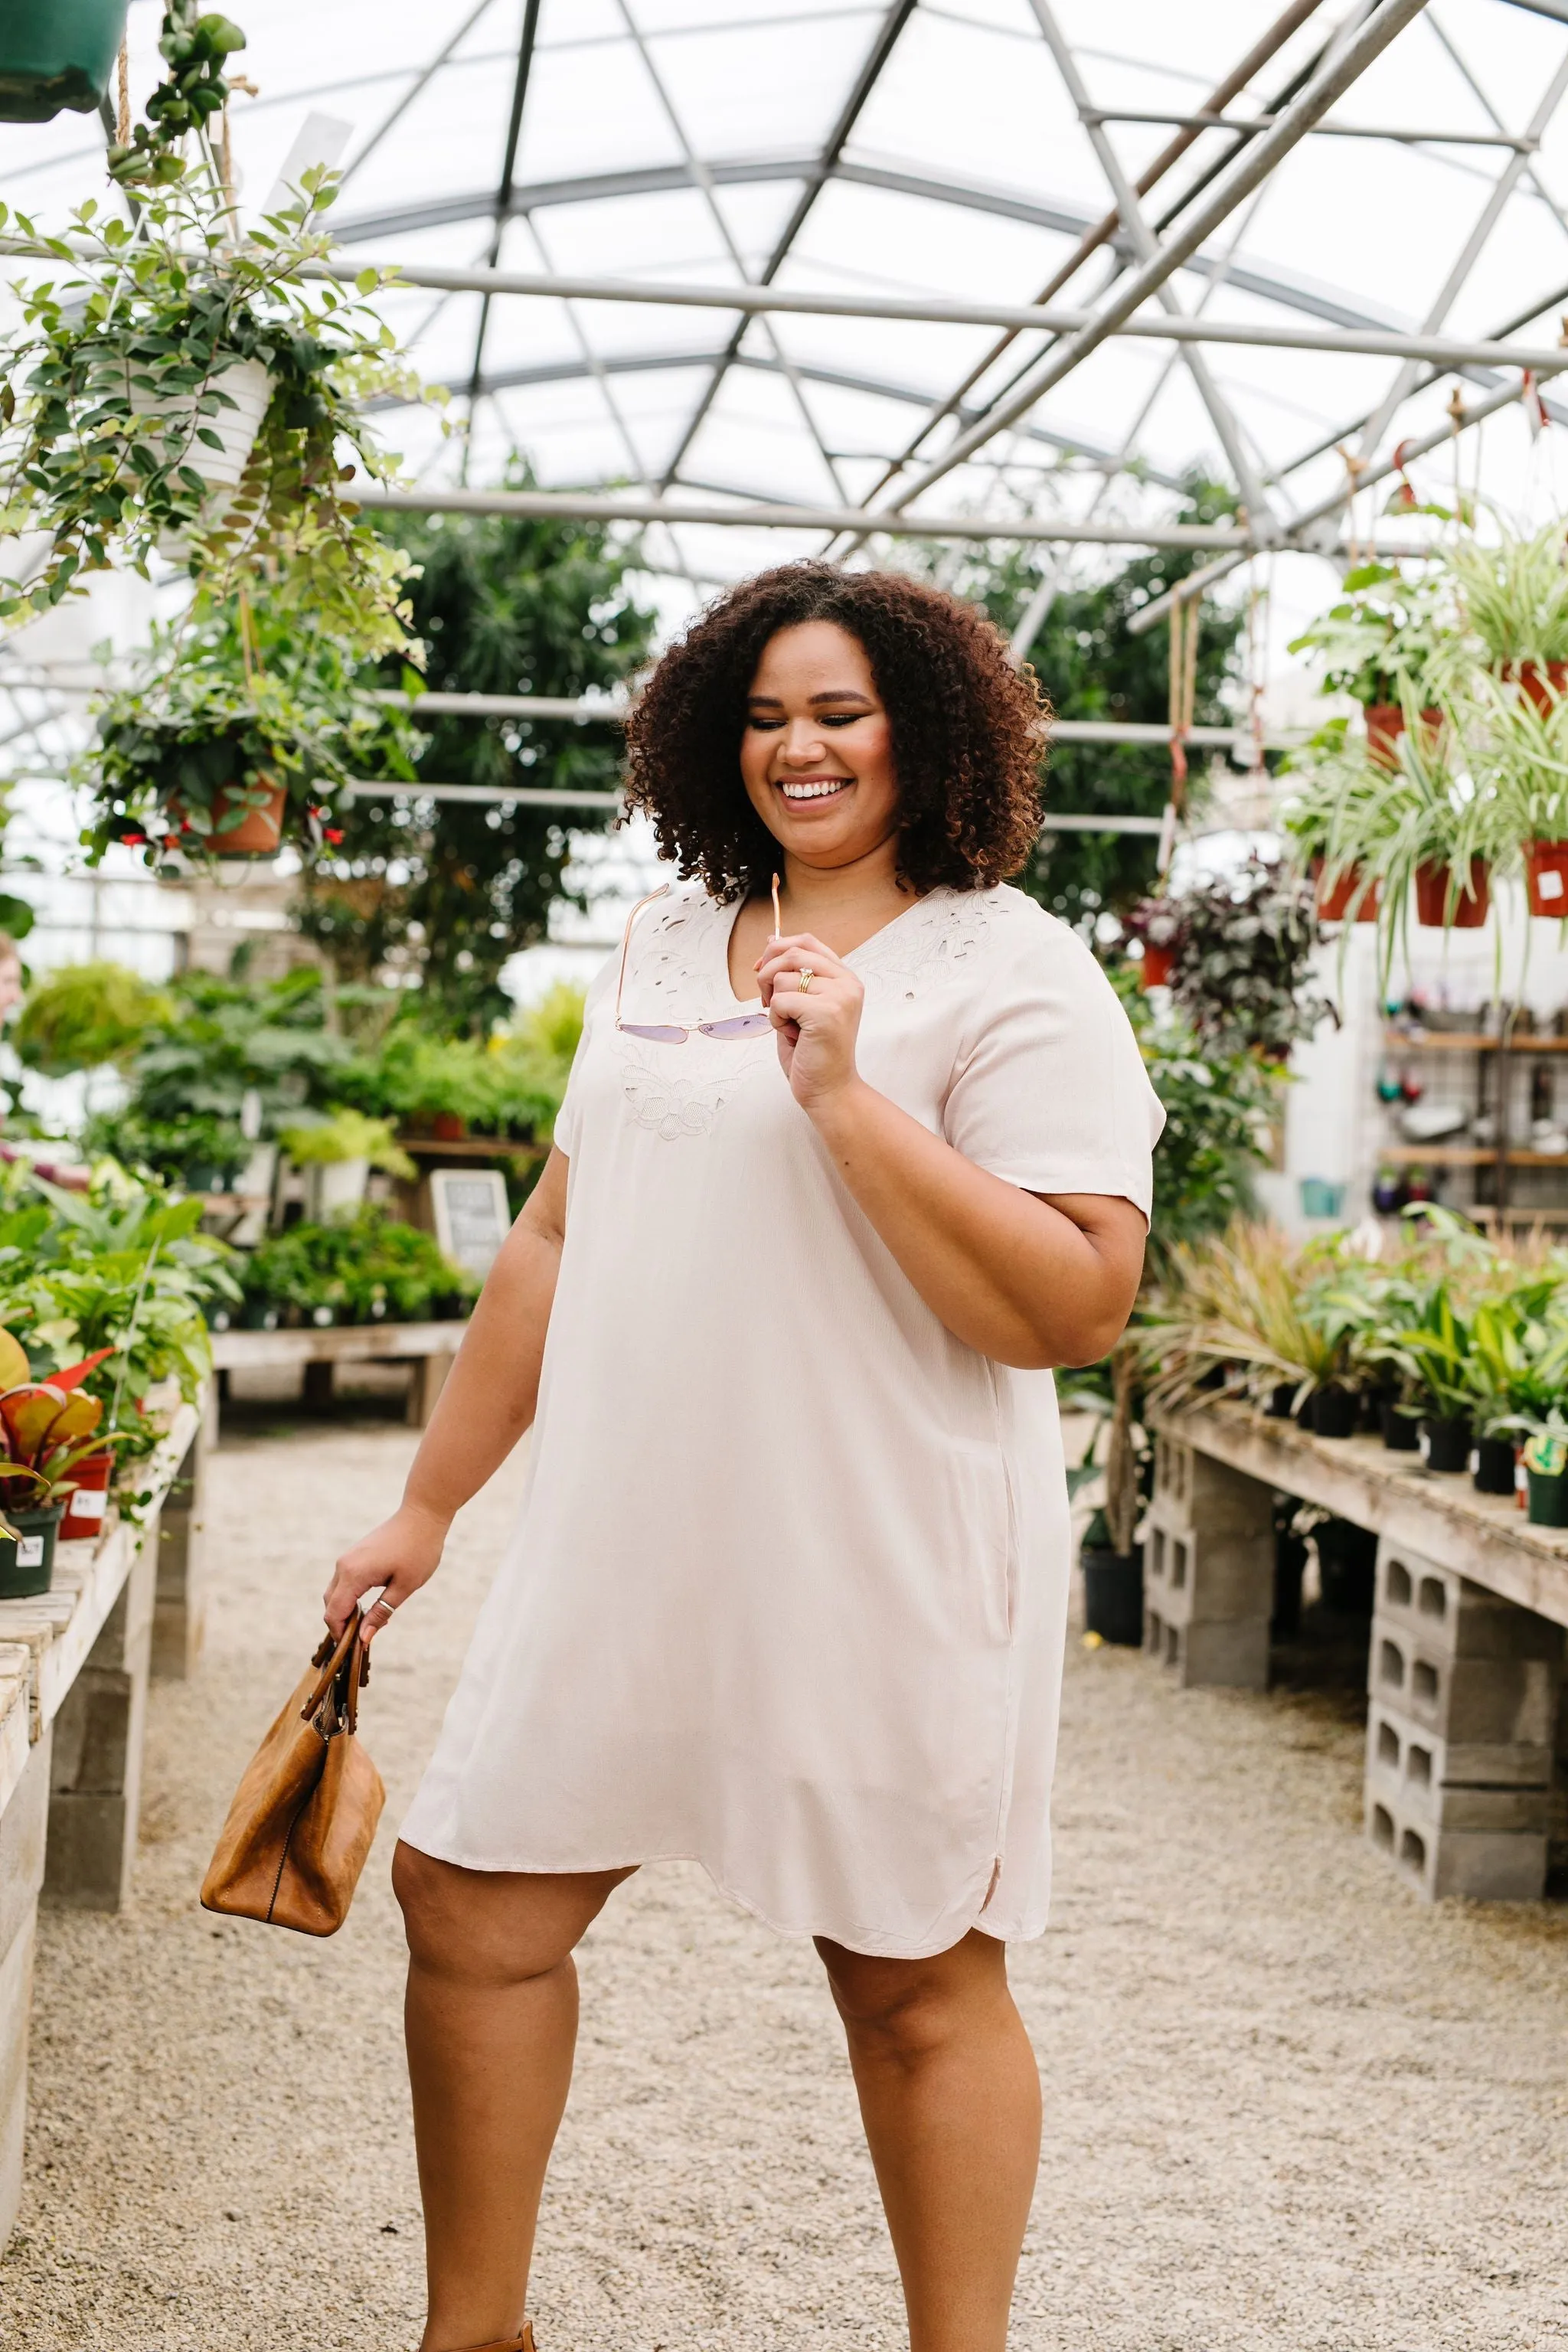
(426, 1348)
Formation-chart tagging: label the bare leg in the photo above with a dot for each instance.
(492, 2022)
(950, 2095)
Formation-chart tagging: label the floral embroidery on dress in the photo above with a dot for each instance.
(932, 944)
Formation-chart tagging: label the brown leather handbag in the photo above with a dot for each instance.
(304, 1816)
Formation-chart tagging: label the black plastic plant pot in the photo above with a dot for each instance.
(55, 53)
(1289, 1565)
(1113, 1595)
(1333, 1412)
(259, 1315)
(1448, 1442)
(1548, 1498)
(27, 1557)
(1347, 1566)
(446, 1306)
(1399, 1430)
(1494, 1465)
(1371, 1406)
(1282, 1404)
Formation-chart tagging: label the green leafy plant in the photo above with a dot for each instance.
(1244, 942)
(238, 704)
(1511, 596)
(1381, 640)
(361, 1268)
(84, 1014)
(127, 376)
(347, 1135)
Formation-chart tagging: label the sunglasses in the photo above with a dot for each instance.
(676, 1032)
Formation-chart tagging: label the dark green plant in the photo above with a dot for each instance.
(449, 889)
(1218, 1114)
(1243, 976)
(197, 1151)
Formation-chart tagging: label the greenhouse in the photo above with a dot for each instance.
(783, 922)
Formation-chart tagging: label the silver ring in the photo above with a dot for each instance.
(383, 1602)
(807, 977)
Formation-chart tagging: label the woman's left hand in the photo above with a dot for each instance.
(816, 1026)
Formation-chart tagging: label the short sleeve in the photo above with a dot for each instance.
(597, 1006)
(1050, 1091)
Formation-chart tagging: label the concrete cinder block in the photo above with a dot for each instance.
(96, 1782)
(180, 1604)
(1477, 1702)
(1406, 1770)
(1475, 1866)
(1443, 1616)
(1207, 1575)
(1421, 1754)
(1194, 1490)
(1228, 1654)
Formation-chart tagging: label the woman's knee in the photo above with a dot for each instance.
(908, 2007)
(493, 1928)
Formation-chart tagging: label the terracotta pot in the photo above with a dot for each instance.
(1157, 966)
(1471, 906)
(258, 833)
(446, 1127)
(1546, 878)
(1544, 683)
(1386, 725)
(1334, 899)
(89, 1500)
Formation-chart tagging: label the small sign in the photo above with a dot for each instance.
(471, 1215)
(29, 1551)
(87, 1503)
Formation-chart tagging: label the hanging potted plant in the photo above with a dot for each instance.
(1337, 787)
(175, 385)
(1518, 744)
(1377, 643)
(1244, 979)
(1157, 923)
(1512, 601)
(56, 53)
(241, 726)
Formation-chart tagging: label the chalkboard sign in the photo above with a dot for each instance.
(471, 1216)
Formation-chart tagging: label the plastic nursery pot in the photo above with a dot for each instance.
(1543, 683)
(1399, 1431)
(1113, 1595)
(1548, 1498)
(1494, 1465)
(1386, 725)
(27, 1558)
(258, 833)
(1333, 1412)
(1472, 901)
(86, 1505)
(1158, 966)
(448, 1126)
(55, 53)
(1546, 879)
(1445, 1442)
(1348, 896)
(1289, 1565)
(1347, 1566)
(1282, 1404)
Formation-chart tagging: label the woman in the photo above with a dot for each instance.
(829, 1196)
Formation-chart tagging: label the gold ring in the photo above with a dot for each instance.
(807, 977)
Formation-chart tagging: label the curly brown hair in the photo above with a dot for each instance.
(967, 728)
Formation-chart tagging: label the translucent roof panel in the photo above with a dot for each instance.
(938, 152)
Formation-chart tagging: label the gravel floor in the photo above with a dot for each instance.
(1286, 2106)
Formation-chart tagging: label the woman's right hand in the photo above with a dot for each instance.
(400, 1555)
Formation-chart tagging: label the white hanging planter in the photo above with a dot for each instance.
(249, 385)
(334, 1184)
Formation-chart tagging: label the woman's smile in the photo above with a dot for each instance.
(813, 788)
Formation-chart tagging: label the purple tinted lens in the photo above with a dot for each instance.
(664, 1036)
(744, 1024)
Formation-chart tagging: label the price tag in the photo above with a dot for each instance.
(87, 1503)
(1547, 1456)
(31, 1551)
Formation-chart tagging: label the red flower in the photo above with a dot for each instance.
(134, 840)
(333, 834)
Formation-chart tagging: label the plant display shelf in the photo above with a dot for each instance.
(1464, 1771)
(1511, 1045)
(471, 1147)
(319, 1349)
(74, 1666)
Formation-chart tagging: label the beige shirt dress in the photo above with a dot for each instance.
(788, 1591)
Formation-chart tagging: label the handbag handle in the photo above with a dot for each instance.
(336, 1661)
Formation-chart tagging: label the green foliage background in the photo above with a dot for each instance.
(452, 889)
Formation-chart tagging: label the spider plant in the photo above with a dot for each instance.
(1513, 599)
(1235, 1300)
